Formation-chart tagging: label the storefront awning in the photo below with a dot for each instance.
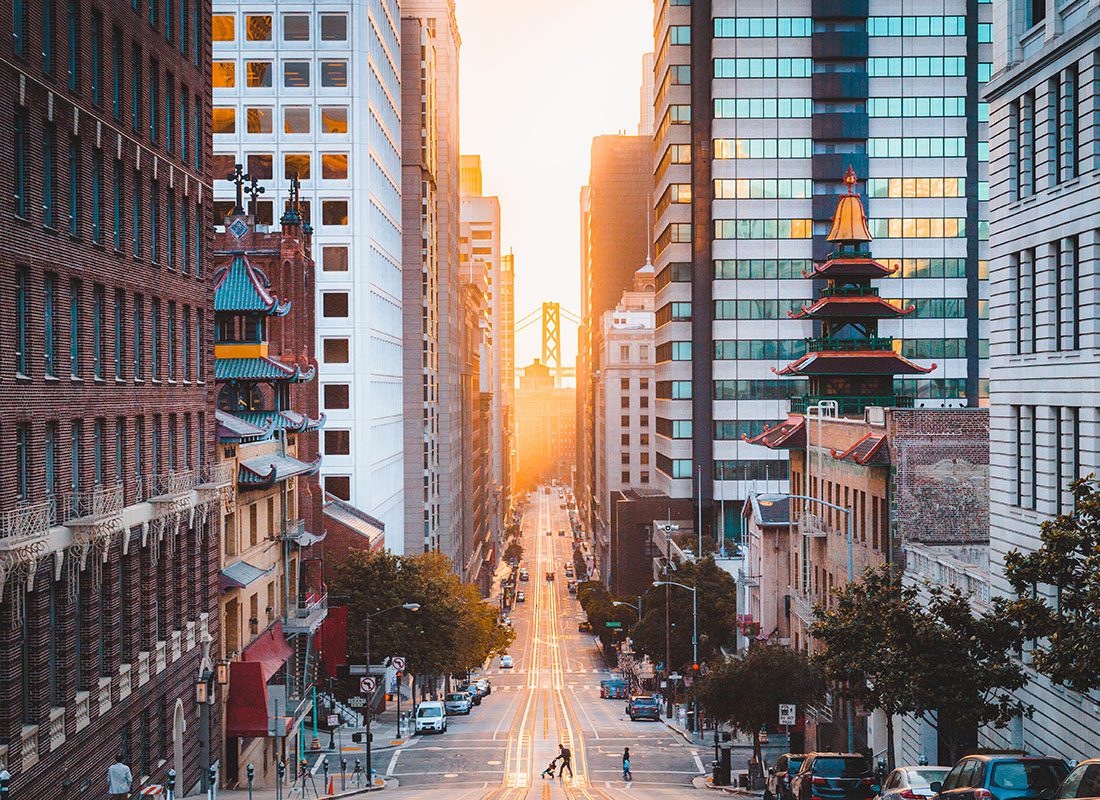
(246, 706)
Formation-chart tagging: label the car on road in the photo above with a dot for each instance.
(431, 715)
(561, 532)
(549, 576)
(474, 692)
(1082, 782)
(484, 686)
(458, 703)
(643, 706)
(912, 783)
(1002, 776)
(506, 662)
(569, 572)
(778, 784)
(584, 627)
(523, 576)
(572, 587)
(521, 597)
(834, 776)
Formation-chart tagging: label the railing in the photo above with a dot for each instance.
(810, 524)
(94, 503)
(26, 523)
(57, 727)
(219, 474)
(851, 404)
(829, 344)
(947, 568)
(305, 614)
(294, 529)
(171, 484)
(849, 291)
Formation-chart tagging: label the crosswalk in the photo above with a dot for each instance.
(577, 671)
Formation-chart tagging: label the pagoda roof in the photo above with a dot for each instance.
(232, 428)
(832, 307)
(853, 267)
(263, 472)
(787, 435)
(241, 287)
(870, 450)
(282, 420)
(260, 368)
(849, 220)
(857, 362)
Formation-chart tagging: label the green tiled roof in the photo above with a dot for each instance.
(240, 287)
(283, 420)
(258, 369)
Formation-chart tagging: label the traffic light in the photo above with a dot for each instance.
(362, 736)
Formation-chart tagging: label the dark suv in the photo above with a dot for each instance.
(778, 785)
(1003, 777)
(834, 776)
(643, 706)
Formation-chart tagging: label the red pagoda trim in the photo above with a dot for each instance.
(867, 450)
(850, 268)
(859, 362)
(789, 434)
(831, 307)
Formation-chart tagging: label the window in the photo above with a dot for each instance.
(49, 177)
(116, 206)
(154, 221)
(76, 455)
(225, 120)
(185, 347)
(916, 187)
(334, 259)
(296, 165)
(334, 166)
(23, 463)
(918, 228)
(116, 73)
(336, 351)
(916, 106)
(49, 325)
(763, 228)
(296, 74)
(222, 27)
(170, 230)
(626, 473)
(224, 74)
(21, 308)
(338, 486)
(135, 88)
(19, 35)
(47, 37)
(258, 74)
(334, 304)
(154, 339)
(200, 352)
(296, 119)
(20, 153)
(334, 27)
(1036, 11)
(334, 119)
(49, 456)
(74, 328)
(170, 338)
(97, 196)
(768, 188)
(260, 120)
(916, 26)
(99, 302)
(334, 74)
(295, 27)
(258, 27)
(334, 212)
(1067, 125)
(337, 442)
(260, 166)
(917, 66)
(72, 17)
(183, 124)
(762, 27)
(135, 213)
(96, 47)
(139, 332)
(337, 396)
(763, 67)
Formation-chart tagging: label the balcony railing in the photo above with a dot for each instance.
(216, 475)
(850, 291)
(170, 484)
(851, 404)
(294, 529)
(26, 524)
(811, 525)
(305, 614)
(820, 345)
(93, 504)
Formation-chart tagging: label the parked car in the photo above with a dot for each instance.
(912, 783)
(523, 576)
(1006, 776)
(1082, 782)
(521, 597)
(474, 692)
(834, 776)
(572, 587)
(569, 572)
(484, 686)
(505, 662)
(643, 706)
(584, 627)
(778, 784)
(458, 703)
(431, 715)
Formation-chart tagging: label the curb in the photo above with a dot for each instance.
(683, 734)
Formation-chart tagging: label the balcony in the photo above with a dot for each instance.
(169, 486)
(305, 615)
(848, 405)
(828, 344)
(93, 516)
(24, 529)
(812, 525)
(216, 481)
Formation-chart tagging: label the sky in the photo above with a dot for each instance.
(537, 80)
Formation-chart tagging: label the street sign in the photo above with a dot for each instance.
(613, 624)
(398, 663)
(333, 720)
(367, 685)
(357, 702)
(357, 669)
(787, 714)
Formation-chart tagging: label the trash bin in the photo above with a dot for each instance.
(722, 766)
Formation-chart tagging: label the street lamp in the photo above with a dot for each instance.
(694, 639)
(205, 683)
(637, 607)
(366, 654)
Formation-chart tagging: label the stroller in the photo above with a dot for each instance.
(549, 771)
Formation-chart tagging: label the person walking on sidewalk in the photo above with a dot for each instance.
(627, 774)
(566, 760)
(119, 780)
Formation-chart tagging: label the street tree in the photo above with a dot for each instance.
(1058, 591)
(747, 690)
(514, 551)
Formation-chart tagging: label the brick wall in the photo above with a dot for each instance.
(940, 461)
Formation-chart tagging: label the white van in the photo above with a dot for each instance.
(431, 715)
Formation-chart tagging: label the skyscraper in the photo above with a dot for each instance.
(1045, 347)
(758, 116)
(327, 112)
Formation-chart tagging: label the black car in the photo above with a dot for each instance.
(1006, 776)
(834, 776)
(778, 784)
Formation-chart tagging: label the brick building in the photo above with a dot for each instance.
(108, 550)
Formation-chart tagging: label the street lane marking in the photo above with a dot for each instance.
(698, 762)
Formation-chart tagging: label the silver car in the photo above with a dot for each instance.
(912, 783)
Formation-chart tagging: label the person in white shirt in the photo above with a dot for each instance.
(119, 779)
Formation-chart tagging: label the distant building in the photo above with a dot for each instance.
(545, 428)
(1044, 312)
(645, 119)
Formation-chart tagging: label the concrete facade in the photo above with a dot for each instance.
(1045, 340)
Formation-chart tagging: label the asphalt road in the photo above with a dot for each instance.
(551, 696)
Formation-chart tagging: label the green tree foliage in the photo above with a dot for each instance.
(1058, 592)
(717, 615)
(514, 551)
(746, 691)
(453, 631)
(940, 659)
(579, 564)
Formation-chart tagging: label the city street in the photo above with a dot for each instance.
(551, 696)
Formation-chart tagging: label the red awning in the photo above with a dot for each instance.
(246, 706)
